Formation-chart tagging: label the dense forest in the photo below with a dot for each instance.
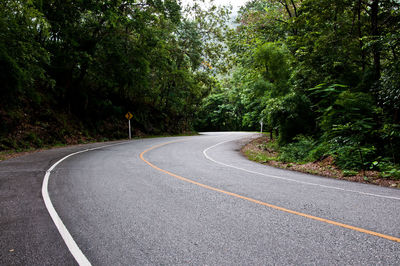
(71, 70)
(322, 75)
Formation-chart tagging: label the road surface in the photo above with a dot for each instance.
(190, 200)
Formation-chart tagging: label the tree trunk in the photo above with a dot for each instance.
(375, 36)
(360, 34)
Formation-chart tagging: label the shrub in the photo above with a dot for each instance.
(350, 154)
(321, 150)
(388, 170)
(298, 151)
(393, 173)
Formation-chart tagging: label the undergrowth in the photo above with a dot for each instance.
(349, 159)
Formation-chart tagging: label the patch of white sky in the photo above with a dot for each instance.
(236, 4)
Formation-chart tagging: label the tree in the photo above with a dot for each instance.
(22, 58)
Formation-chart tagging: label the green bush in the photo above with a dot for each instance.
(290, 115)
(319, 151)
(350, 155)
(298, 151)
(388, 169)
(33, 140)
(393, 173)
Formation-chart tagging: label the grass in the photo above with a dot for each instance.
(258, 157)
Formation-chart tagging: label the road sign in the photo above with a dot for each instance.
(129, 115)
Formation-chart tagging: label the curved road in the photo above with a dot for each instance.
(197, 200)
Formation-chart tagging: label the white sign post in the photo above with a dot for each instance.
(261, 124)
(129, 125)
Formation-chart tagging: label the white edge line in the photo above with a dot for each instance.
(287, 179)
(67, 237)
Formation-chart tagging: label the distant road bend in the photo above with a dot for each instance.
(197, 200)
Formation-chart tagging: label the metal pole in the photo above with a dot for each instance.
(261, 127)
(129, 123)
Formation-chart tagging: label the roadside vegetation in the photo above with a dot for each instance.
(298, 156)
(71, 70)
(322, 75)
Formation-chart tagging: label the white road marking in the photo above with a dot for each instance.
(69, 241)
(74, 248)
(288, 179)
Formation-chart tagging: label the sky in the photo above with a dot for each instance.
(236, 4)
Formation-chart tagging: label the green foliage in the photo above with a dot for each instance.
(22, 57)
(272, 62)
(349, 172)
(388, 169)
(354, 111)
(389, 89)
(297, 151)
(33, 139)
(347, 125)
(390, 135)
(258, 157)
(391, 172)
(289, 115)
(92, 61)
(218, 113)
(350, 155)
(319, 151)
(324, 69)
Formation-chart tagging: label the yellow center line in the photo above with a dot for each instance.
(358, 229)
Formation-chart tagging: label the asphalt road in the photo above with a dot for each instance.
(190, 200)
